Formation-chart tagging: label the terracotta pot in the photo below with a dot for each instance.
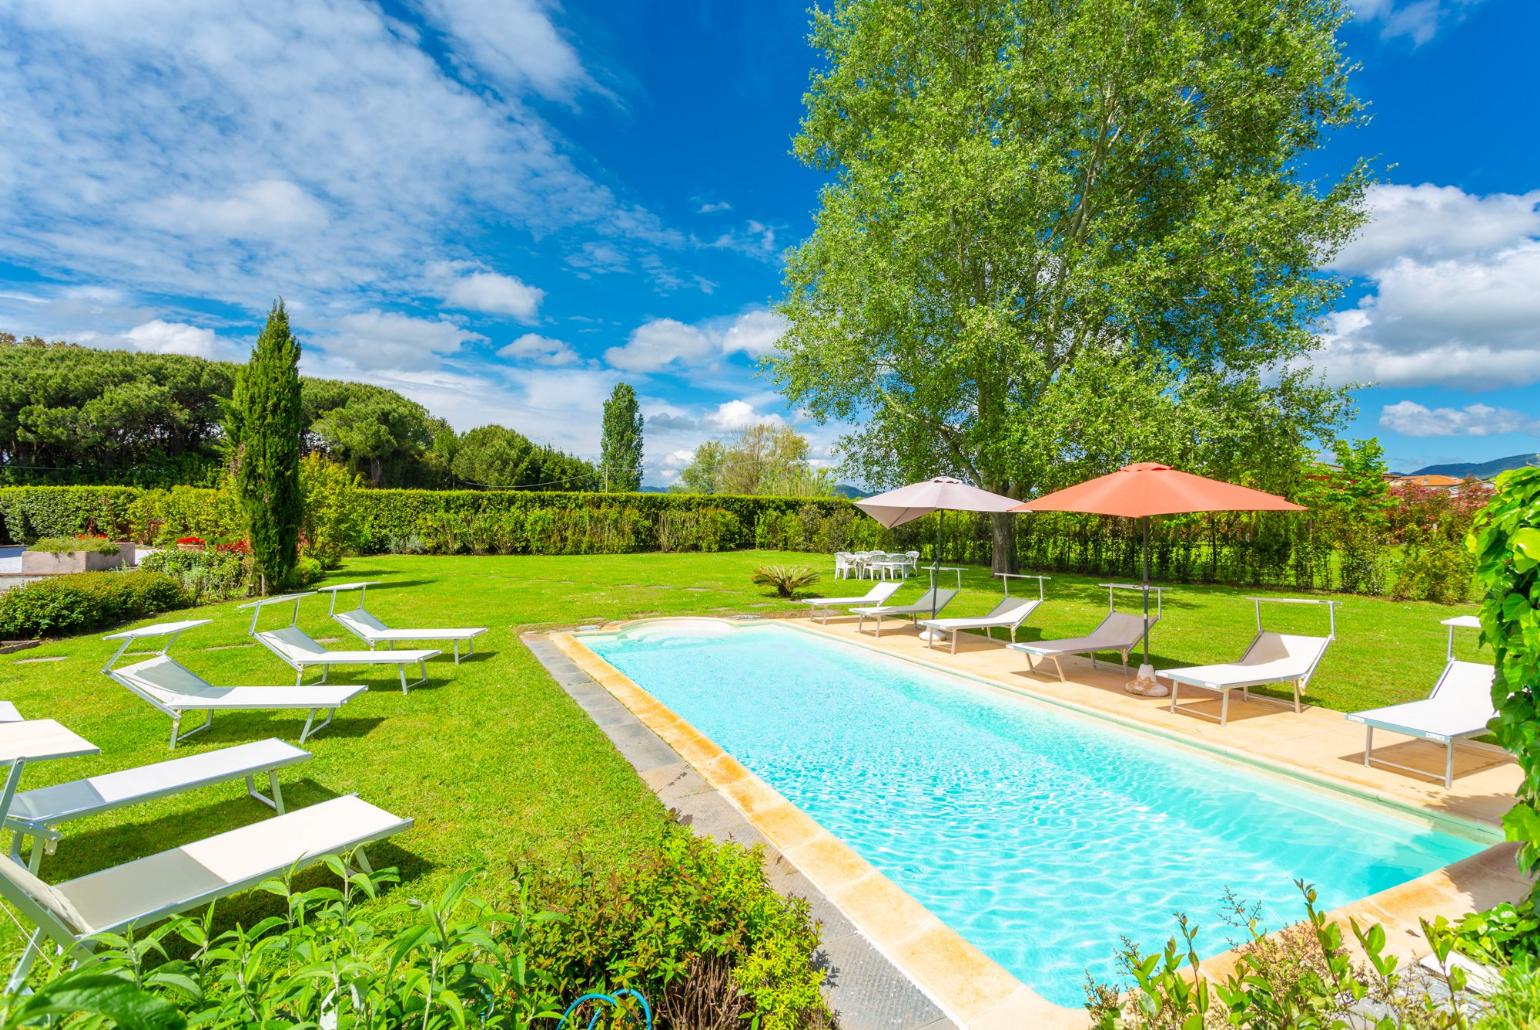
(191, 547)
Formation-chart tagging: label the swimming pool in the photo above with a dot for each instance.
(1042, 836)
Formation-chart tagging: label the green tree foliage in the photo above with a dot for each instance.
(375, 432)
(763, 459)
(71, 414)
(1506, 543)
(620, 457)
(498, 458)
(1031, 196)
(114, 415)
(265, 425)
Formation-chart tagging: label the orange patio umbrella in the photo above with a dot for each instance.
(1145, 490)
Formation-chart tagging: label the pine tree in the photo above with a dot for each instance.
(264, 427)
(620, 460)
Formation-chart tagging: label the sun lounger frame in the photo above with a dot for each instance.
(1418, 732)
(1245, 688)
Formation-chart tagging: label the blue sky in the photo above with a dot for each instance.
(502, 209)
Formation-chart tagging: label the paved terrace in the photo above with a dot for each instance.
(1318, 744)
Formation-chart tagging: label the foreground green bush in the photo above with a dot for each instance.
(1307, 975)
(694, 929)
(693, 926)
(84, 601)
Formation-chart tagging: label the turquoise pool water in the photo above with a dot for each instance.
(1042, 836)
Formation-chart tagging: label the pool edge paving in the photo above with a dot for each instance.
(863, 986)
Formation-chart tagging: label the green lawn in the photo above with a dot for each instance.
(492, 760)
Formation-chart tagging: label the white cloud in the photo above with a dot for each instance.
(495, 294)
(540, 349)
(161, 337)
(1418, 20)
(598, 257)
(755, 240)
(1412, 419)
(731, 416)
(1454, 298)
(512, 43)
(666, 343)
(266, 209)
(754, 333)
(376, 340)
(1433, 223)
(713, 207)
(660, 343)
(375, 159)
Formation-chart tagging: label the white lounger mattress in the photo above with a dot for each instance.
(176, 687)
(105, 900)
(1431, 718)
(1074, 645)
(66, 801)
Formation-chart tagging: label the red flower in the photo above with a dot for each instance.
(190, 540)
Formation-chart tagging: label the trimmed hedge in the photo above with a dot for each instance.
(458, 521)
(84, 601)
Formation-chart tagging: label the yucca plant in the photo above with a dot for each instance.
(787, 579)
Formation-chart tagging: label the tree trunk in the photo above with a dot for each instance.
(1002, 526)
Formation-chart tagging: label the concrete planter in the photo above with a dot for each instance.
(54, 563)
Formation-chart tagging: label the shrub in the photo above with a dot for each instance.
(210, 575)
(325, 962)
(787, 579)
(64, 544)
(692, 925)
(1302, 976)
(330, 527)
(1505, 540)
(85, 601)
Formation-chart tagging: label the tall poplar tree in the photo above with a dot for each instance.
(265, 424)
(1027, 193)
(620, 458)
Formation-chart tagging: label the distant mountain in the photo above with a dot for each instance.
(846, 490)
(1479, 469)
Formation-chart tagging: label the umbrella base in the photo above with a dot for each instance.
(928, 635)
(1146, 684)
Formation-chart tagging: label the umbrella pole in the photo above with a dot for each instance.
(1145, 568)
(935, 576)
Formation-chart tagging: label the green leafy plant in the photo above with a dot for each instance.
(1499, 935)
(66, 544)
(83, 601)
(786, 579)
(330, 528)
(692, 925)
(433, 963)
(206, 575)
(1505, 540)
(1302, 976)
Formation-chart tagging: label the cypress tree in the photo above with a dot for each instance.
(620, 458)
(265, 425)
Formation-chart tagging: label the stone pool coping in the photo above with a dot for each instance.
(967, 985)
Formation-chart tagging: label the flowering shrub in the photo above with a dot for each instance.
(192, 540)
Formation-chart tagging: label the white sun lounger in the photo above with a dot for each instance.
(148, 889)
(38, 813)
(1009, 614)
(1271, 658)
(1119, 631)
(930, 603)
(175, 689)
(1459, 707)
(879, 593)
(372, 631)
(300, 651)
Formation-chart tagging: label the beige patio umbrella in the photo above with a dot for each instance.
(943, 493)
